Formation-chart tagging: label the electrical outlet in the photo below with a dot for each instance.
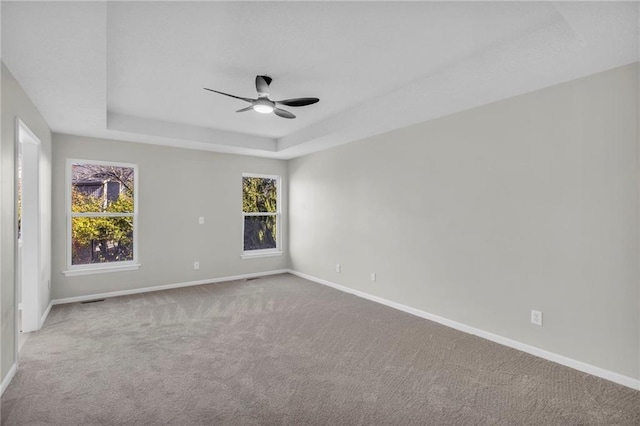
(338, 268)
(196, 265)
(373, 276)
(201, 220)
(536, 317)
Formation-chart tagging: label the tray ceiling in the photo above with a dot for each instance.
(136, 70)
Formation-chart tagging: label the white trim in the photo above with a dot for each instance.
(261, 175)
(28, 134)
(164, 287)
(7, 380)
(260, 214)
(102, 269)
(72, 270)
(46, 314)
(103, 214)
(261, 253)
(28, 148)
(278, 214)
(550, 356)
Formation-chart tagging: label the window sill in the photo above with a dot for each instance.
(101, 270)
(260, 253)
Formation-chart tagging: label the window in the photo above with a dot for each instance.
(102, 213)
(260, 215)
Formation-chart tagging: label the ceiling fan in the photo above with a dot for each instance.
(265, 105)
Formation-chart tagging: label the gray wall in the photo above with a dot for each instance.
(15, 103)
(176, 186)
(481, 216)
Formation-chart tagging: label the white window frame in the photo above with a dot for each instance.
(277, 251)
(98, 268)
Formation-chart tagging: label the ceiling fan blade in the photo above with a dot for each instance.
(298, 102)
(249, 108)
(232, 96)
(262, 85)
(282, 113)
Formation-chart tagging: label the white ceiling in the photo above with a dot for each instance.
(136, 70)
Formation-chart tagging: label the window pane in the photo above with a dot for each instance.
(259, 195)
(101, 239)
(99, 188)
(259, 232)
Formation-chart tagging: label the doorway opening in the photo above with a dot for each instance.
(28, 241)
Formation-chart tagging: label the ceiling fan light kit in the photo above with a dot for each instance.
(264, 105)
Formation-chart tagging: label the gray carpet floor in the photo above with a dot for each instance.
(282, 350)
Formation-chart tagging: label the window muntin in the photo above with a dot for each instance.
(260, 214)
(102, 212)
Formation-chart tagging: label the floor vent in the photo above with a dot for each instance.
(92, 301)
(251, 279)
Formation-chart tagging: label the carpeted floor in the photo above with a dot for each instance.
(282, 350)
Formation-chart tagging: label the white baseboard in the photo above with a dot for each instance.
(10, 375)
(46, 314)
(163, 287)
(560, 359)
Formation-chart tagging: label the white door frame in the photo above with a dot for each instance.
(31, 234)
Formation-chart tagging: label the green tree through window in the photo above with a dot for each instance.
(102, 213)
(260, 211)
